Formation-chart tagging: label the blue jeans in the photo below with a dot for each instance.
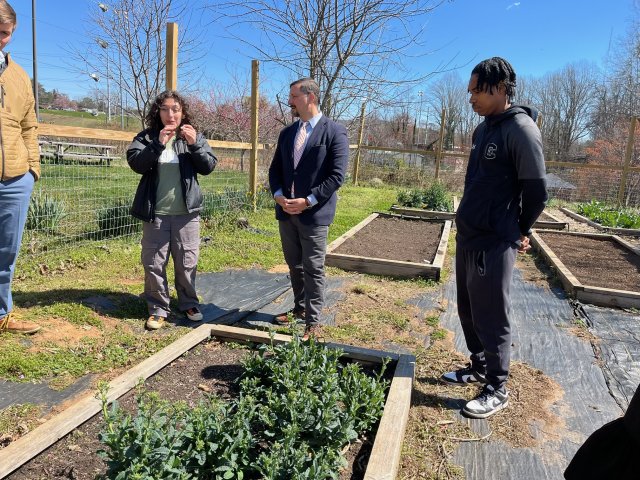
(14, 204)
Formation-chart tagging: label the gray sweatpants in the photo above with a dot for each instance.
(178, 236)
(483, 281)
(304, 248)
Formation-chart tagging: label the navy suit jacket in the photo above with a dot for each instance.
(320, 172)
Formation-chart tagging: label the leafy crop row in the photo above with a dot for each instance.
(609, 216)
(435, 197)
(298, 406)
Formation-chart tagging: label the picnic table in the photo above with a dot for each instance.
(80, 153)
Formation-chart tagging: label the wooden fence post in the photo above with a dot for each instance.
(443, 117)
(171, 81)
(253, 168)
(627, 161)
(356, 160)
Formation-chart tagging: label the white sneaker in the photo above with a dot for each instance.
(463, 376)
(488, 402)
(194, 314)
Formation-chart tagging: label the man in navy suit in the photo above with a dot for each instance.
(308, 167)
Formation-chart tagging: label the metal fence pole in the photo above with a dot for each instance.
(627, 161)
(253, 167)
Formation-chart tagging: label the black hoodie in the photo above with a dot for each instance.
(504, 189)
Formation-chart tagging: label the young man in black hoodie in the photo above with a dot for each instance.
(504, 193)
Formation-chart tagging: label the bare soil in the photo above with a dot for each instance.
(392, 238)
(596, 262)
(211, 368)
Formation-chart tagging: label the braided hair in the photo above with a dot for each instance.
(492, 72)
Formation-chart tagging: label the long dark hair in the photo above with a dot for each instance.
(492, 72)
(153, 120)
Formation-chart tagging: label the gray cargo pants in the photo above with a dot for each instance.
(178, 236)
(483, 280)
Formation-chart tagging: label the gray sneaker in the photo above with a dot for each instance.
(488, 402)
(463, 376)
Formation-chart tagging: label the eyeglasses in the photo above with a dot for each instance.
(174, 109)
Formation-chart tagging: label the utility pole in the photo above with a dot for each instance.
(35, 58)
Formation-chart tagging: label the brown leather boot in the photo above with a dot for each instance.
(283, 318)
(9, 324)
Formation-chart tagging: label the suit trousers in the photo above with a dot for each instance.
(483, 281)
(14, 205)
(177, 236)
(304, 248)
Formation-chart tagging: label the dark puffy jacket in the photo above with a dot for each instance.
(143, 155)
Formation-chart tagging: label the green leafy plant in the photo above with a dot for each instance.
(298, 406)
(435, 197)
(114, 220)
(45, 213)
(609, 216)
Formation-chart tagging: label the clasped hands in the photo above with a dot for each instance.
(292, 206)
(524, 244)
(185, 131)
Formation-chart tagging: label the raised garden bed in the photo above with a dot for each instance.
(613, 230)
(594, 268)
(548, 221)
(423, 213)
(216, 368)
(392, 245)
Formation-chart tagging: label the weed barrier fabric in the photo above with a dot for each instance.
(542, 337)
(619, 346)
(227, 297)
(334, 293)
(12, 393)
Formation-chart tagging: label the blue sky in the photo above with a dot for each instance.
(536, 36)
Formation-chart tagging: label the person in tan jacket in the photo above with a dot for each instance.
(19, 166)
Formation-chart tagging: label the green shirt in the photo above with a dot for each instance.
(169, 197)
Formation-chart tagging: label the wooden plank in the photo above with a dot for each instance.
(626, 244)
(441, 253)
(171, 58)
(378, 266)
(246, 335)
(580, 218)
(568, 280)
(49, 130)
(344, 237)
(25, 448)
(384, 460)
(609, 297)
(422, 213)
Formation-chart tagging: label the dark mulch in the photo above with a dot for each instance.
(394, 238)
(596, 262)
(209, 366)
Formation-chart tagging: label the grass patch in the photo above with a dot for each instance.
(17, 420)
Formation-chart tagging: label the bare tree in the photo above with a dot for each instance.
(450, 93)
(618, 96)
(127, 47)
(566, 100)
(354, 49)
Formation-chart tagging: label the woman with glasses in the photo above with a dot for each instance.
(169, 154)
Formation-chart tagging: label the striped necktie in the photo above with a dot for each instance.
(298, 146)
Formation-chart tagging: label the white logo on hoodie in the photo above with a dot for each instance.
(490, 151)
